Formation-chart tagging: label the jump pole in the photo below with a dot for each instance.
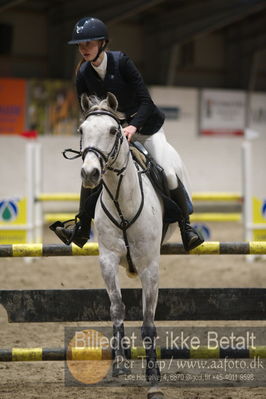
(197, 196)
(136, 352)
(91, 249)
(196, 217)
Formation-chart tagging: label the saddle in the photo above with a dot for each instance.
(156, 174)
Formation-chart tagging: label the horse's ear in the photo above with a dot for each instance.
(112, 101)
(84, 102)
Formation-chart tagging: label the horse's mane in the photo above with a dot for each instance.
(97, 103)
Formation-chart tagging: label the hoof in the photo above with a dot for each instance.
(153, 375)
(155, 393)
(120, 369)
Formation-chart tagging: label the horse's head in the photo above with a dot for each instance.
(101, 137)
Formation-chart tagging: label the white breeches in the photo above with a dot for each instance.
(167, 157)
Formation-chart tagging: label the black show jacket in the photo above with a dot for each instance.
(126, 83)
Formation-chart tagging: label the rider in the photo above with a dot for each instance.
(101, 71)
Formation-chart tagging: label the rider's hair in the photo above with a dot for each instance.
(79, 65)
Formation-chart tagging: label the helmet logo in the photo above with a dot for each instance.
(80, 28)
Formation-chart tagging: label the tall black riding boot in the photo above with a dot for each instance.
(190, 237)
(79, 231)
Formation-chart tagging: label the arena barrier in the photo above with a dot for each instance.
(91, 249)
(36, 198)
(174, 304)
(246, 217)
(92, 353)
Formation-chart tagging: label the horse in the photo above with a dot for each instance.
(128, 222)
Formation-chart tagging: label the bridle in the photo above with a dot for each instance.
(104, 159)
(106, 162)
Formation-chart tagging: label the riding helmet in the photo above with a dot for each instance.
(88, 29)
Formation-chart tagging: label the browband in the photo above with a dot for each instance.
(103, 112)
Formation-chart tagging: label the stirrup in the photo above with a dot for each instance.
(195, 243)
(187, 230)
(75, 233)
(54, 227)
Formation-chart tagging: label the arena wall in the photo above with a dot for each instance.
(214, 163)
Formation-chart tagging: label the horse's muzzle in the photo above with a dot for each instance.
(90, 178)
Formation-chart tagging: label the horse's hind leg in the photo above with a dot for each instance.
(109, 268)
(150, 286)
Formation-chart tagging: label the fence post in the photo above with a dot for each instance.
(30, 191)
(38, 214)
(247, 193)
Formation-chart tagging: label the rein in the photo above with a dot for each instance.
(124, 224)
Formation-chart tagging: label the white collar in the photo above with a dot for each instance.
(101, 69)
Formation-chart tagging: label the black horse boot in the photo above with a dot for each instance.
(149, 335)
(190, 237)
(79, 231)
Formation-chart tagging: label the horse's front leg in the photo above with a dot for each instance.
(150, 286)
(109, 267)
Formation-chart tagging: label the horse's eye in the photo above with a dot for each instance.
(80, 131)
(113, 130)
